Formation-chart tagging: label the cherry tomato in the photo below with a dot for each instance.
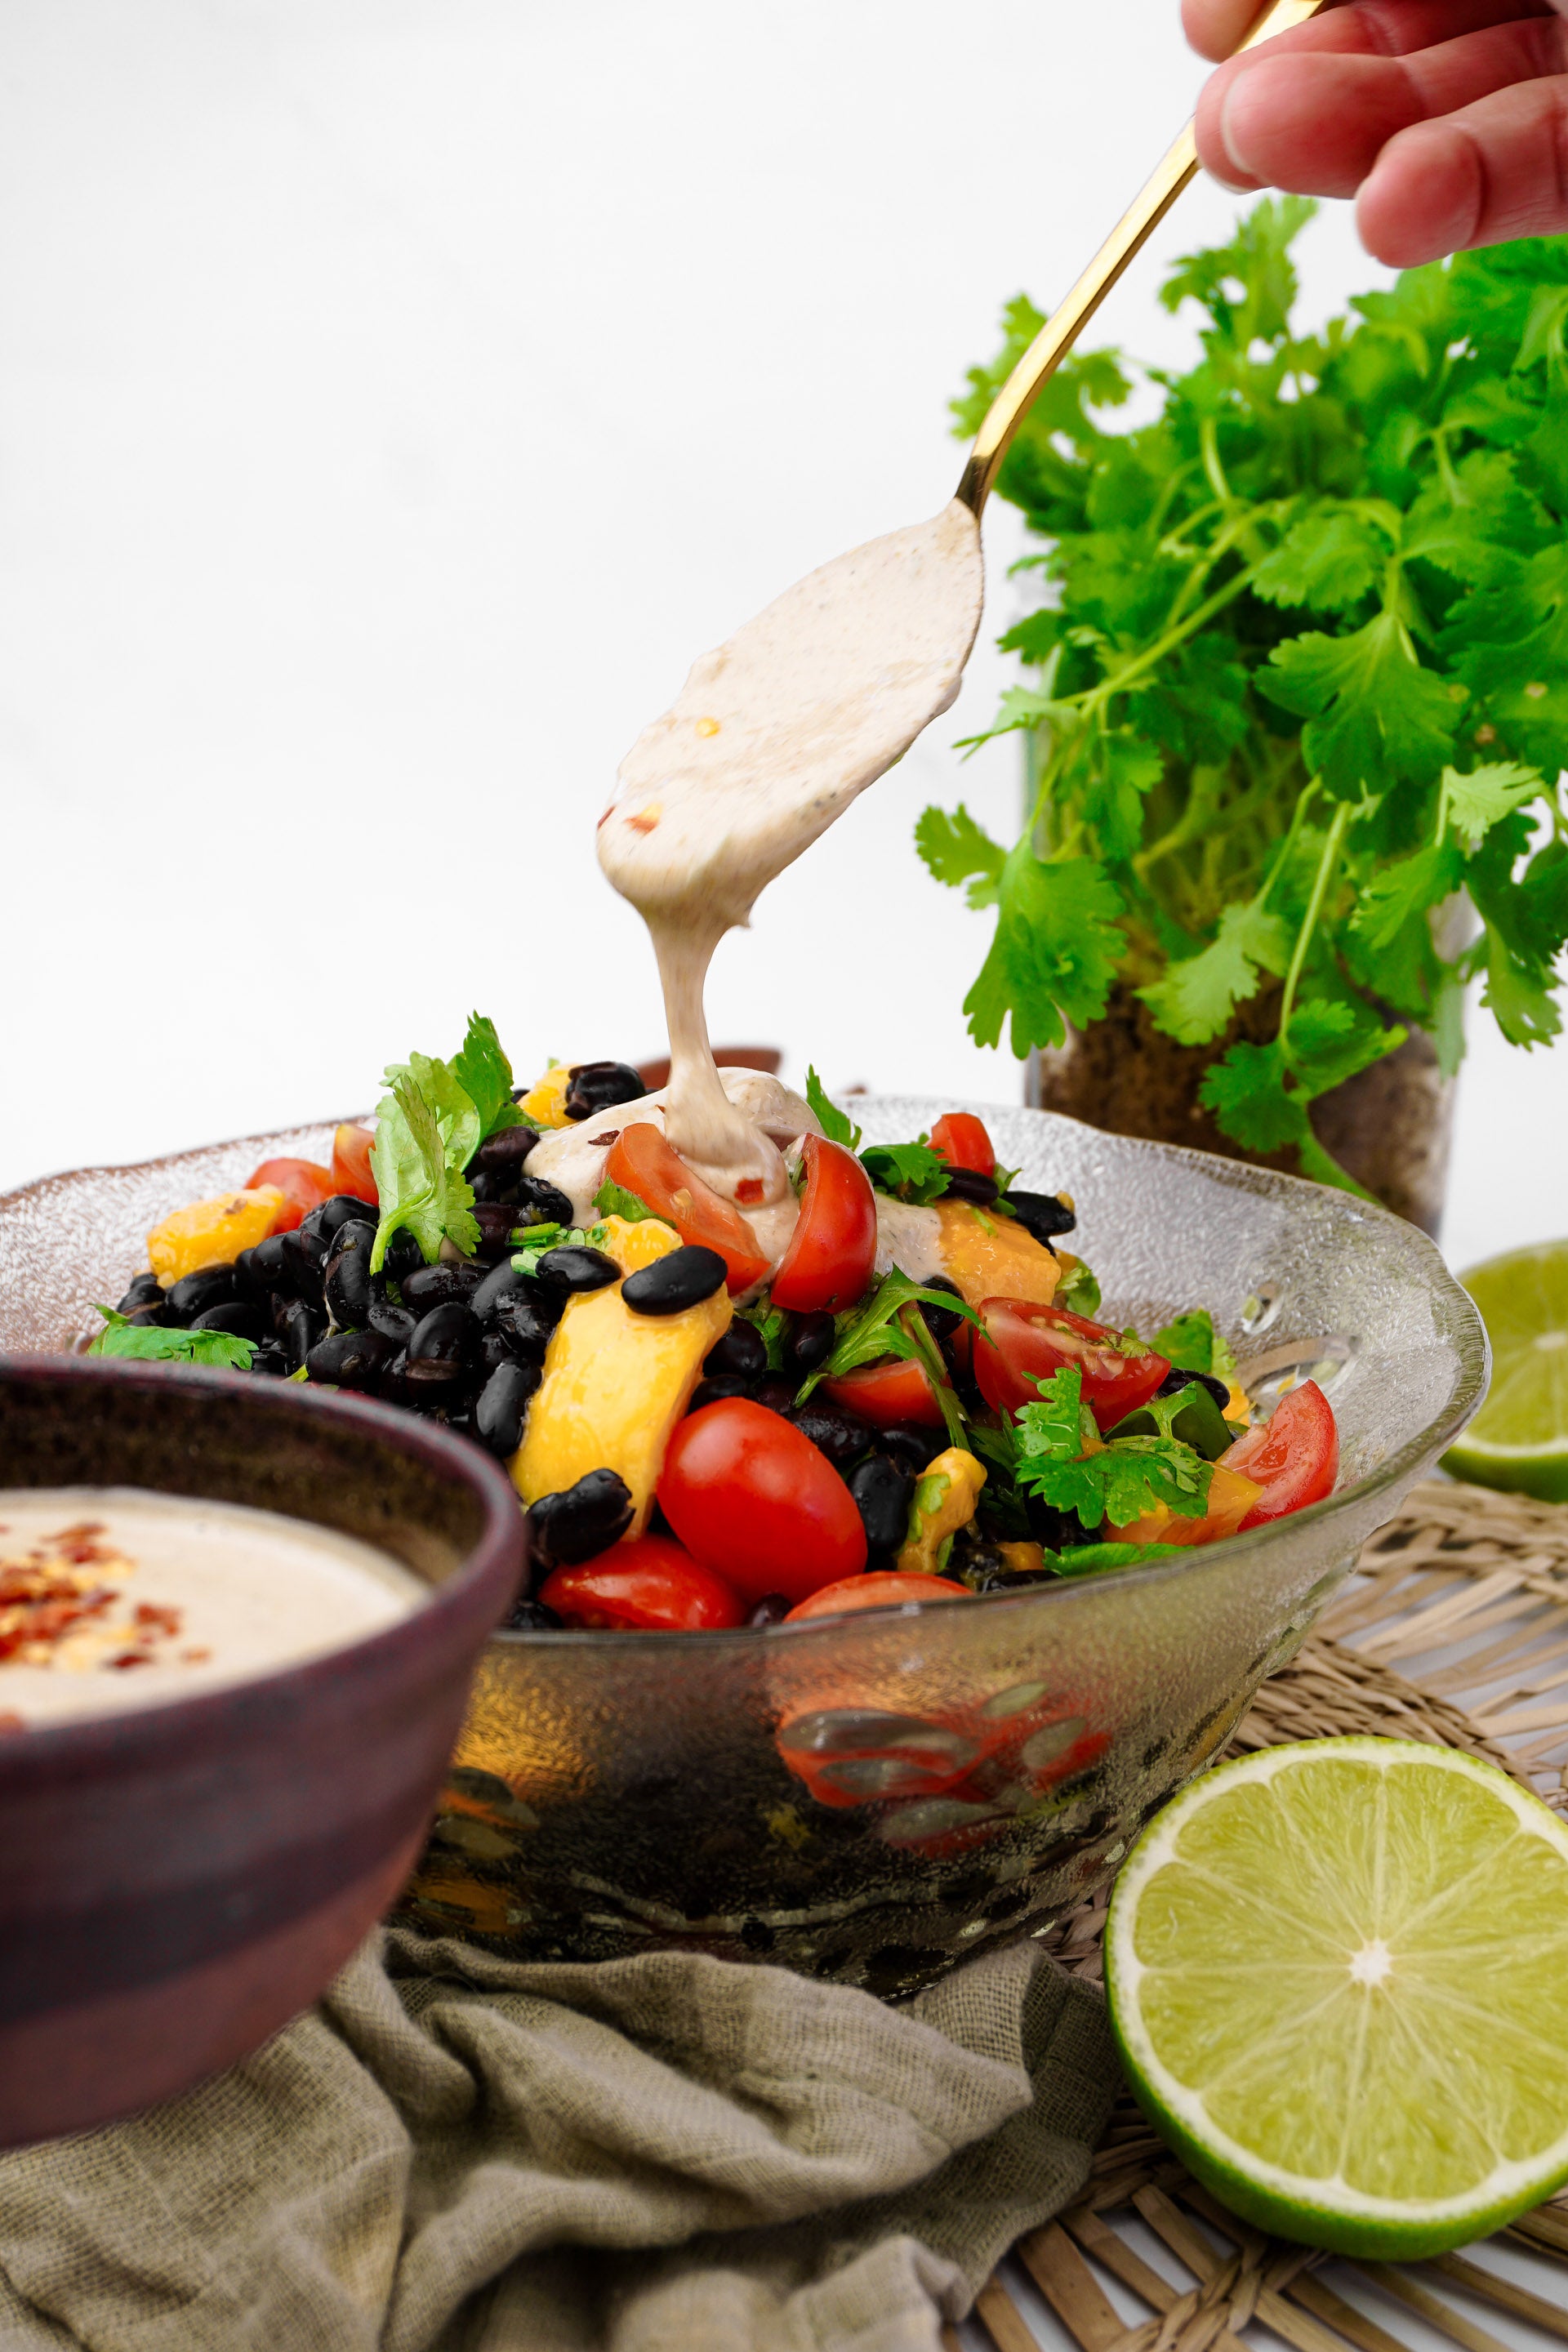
(1294, 1457)
(833, 1249)
(1024, 1343)
(883, 1588)
(350, 1164)
(646, 1164)
(885, 1394)
(963, 1141)
(647, 1585)
(304, 1184)
(750, 1493)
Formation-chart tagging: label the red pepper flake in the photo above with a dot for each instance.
(749, 1190)
(132, 1658)
(165, 1620)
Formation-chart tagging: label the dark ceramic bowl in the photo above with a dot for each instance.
(177, 1880)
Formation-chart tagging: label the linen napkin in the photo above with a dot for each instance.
(665, 2154)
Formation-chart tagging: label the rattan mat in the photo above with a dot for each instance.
(1454, 1629)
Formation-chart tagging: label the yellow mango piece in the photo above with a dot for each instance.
(1023, 1558)
(1230, 1497)
(993, 1257)
(614, 1385)
(211, 1233)
(1238, 1405)
(635, 1242)
(944, 1501)
(544, 1105)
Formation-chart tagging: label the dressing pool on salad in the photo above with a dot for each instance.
(111, 1598)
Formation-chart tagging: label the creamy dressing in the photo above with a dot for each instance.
(195, 1595)
(771, 737)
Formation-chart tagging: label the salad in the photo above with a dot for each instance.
(890, 1387)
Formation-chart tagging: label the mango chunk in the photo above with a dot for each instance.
(943, 1502)
(211, 1233)
(1230, 1497)
(614, 1385)
(636, 1243)
(993, 1257)
(544, 1105)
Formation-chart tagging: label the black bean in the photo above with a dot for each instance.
(1175, 1381)
(573, 1267)
(530, 1617)
(271, 1360)
(525, 1318)
(496, 1221)
(404, 1256)
(497, 1417)
(539, 1203)
(581, 1521)
(278, 1267)
(940, 1321)
(770, 1610)
(146, 1290)
(503, 1153)
(298, 1327)
(777, 1396)
(394, 1323)
(808, 1341)
(316, 1247)
(682, 1278)
(716, 1390)
(842, 1436)
(492, 1192)
(742, 1353)
(1042, 1214)
(443, 1344)
(148, 1318)
(1056, 1529)
(499, 1283)
(186, 1299)
(238, 1316)
(328, 1216)
(910, 1445)
(351, 1360)
(594, 1086)
(495, 1350)
(433, 1286)
(970, 1185)
(882, 1491)
(347, 1287)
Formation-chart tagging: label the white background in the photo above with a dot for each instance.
(394, 394)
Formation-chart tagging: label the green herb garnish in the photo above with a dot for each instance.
(149, 1343)
(883, 1329)
(909, 1171)
(769, 1323)
(1078, 1291)
(1120, 1480)
(1192, 1344)
(835, 1125)
(614, 1200)
(483, 1072)
(421, 1189)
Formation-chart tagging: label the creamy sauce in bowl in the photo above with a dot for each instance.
(112, 1598)
(771, 737)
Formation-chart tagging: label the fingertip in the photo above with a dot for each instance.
(1216, 28)
(1423, 197)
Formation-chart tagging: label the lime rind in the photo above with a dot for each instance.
(1229, 1986)
(1518, 1440)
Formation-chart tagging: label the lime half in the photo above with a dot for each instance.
(1338, 1974)
(1520, 1437)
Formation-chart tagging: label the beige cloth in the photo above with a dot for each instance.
(666, 2154)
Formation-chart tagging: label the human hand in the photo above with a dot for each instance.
(1446, 120)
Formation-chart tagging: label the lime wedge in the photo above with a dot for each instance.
(1520, 1437)
(1338, 1974)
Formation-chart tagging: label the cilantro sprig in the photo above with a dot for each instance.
(150, 1343)
(1298, 674)
(885, 1328)
(1062, 1458)
(428, 1127)
(1190, 1343)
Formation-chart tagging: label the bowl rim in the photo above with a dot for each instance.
(492, 1562)
(1454, 1310)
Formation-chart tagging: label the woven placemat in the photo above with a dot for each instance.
(1454, 1630)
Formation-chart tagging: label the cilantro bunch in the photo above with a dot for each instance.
(1300, 674)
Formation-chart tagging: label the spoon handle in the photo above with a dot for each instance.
(1070, 317)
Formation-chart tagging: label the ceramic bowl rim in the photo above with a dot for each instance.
(494, 1558)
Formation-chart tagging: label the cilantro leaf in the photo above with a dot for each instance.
(534, 1240)
(955, 848)
(447, 1100)
(1483, 798)
(835, 1125)
(1090, 1559)
(1374, 713)
(419, 1191)
(614, 1200)
(150, 1343)
(909, 1171)
(1390, 899)
(1247, 1093)
(1062, 1459)
(1190, 1343)
(881, 1328)
(1326, 562)
(484, 1074)
(1079, 1290)
(1054, 954)
(1198, 996)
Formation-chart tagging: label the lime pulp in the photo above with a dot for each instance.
(1520, 1437)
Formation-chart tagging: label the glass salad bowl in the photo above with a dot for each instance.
(870, 1798)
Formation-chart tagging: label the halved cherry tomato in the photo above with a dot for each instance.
(304, 1184)
(350, 1164)
(1024, 1344)
(887, 1393)
(647, 1585)
(750, 1495)
(1294, 1457)
(646, 1164)
(882, 1587)
(833, 1249)
(963, 1141)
